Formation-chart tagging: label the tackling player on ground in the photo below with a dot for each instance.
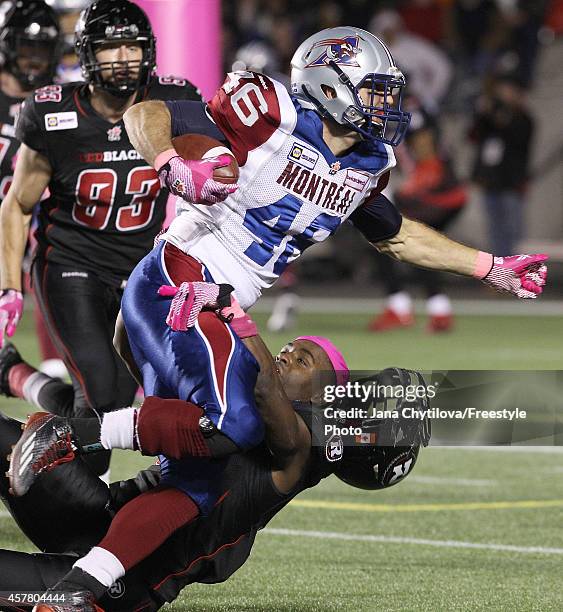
(257, 484)
(104, 210)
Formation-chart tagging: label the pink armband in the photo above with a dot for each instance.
(164, 157)
(242, 324)
(483, 265)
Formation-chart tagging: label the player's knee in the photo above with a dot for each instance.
(171, 427)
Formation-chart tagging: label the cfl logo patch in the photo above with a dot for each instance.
(117, 589)
(334, 448)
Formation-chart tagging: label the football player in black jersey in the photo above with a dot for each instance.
(30, 56)
(104, 210)
(30, 59)
(256, 485)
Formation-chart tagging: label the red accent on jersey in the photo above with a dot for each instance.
(78, 105)
(247, 110)
(202, 558)
(381, 184)
(221, 344)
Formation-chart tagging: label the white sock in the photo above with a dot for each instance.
(102, 565)
(33, 385)
(118, 429)
(401, 303)
(439, 306)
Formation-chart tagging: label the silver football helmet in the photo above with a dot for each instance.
(329, 69)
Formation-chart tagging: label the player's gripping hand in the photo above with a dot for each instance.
(522, 275)
(190, 298)
(193, 180)
(11, 308)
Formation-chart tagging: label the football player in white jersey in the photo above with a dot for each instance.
(308, 161)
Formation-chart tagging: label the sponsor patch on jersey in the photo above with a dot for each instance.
(61, 121)
(355, 180)
(303, 156)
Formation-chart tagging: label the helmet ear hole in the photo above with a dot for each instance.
(329, 92)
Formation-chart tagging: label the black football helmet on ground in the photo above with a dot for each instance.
(388, 448)
(30, 42)
(108, 22)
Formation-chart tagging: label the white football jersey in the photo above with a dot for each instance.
(293, 192)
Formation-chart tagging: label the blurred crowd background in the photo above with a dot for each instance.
(483, 157)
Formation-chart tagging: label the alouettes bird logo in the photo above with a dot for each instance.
(342, 51)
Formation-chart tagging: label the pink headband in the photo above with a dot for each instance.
(336, 358)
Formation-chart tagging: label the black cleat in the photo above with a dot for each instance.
(9, 357)
(78, 601)
(46, 442)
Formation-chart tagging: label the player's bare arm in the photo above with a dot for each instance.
(149, 127)
(31, 177)
(521, 275)
(286, 434)
(423, 246)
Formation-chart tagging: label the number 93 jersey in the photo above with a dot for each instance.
(293, 191)
(105, 204)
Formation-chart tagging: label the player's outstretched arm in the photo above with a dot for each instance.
(420, 245)
(149, 127)
(31, 177)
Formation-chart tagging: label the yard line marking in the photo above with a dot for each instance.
(361, 507)
(546, 450)
(331, 535)
(463, 482)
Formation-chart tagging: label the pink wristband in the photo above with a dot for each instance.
(483, 265)
(244, 327)
(164, 158)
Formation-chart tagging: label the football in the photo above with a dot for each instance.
(198, 146)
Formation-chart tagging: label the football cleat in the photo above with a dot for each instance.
(46, 442)
(285, 312)
(440, 323)
(9, 356)
(78, 601)
(389, 319)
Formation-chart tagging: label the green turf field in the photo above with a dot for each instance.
(480, 529)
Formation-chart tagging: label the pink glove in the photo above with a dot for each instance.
(522, 275)
(189, 300)
(193, 180)
(11, 308)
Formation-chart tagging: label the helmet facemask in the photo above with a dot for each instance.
(332, 67)
(380, 117)
(33, 61)
(119, 78)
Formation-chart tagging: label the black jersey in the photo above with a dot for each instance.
(9, 144)
(214, 547)
(105, 204)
